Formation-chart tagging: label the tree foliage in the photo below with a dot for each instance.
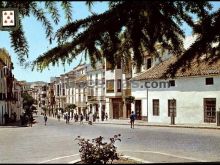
(40, 10)
(28, 101)
(70, 107)
(128, 29)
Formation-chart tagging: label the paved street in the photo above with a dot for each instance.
(54, 143)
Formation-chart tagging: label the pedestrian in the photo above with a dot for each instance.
(15, 116)
(58, 117)
(103, 115)
(106, 116)
(65, 117)
(132, 119)
(45, 119)
(31, 120)
(90, 118)
(86, 116)
(68, 118)
(97, 117)
(6, 116)
(81, 118)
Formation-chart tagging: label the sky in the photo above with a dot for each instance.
(38, 44)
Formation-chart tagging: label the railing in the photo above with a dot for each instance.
(126, 92)
(92, 98)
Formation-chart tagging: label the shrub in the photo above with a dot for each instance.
(129, 99)
(97, 151)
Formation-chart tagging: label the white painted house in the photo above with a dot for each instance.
(193, 94)
(96, 89)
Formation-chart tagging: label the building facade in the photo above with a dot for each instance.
(96, 89)
(10, 98)
(191, 96)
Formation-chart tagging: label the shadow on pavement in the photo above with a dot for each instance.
(18, 124)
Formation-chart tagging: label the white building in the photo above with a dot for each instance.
(80, 89)
(193, 94)
(60, 93)
(96, 89)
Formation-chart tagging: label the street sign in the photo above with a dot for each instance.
(9, 19)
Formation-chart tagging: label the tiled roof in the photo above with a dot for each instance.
(202, 68)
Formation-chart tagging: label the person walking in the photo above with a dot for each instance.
(90, 118)
(106, 116)
(132, 119)
(45, 119)
(6, 116)
(58, 117)
(103, 115)
(31, 120)
(81, 118)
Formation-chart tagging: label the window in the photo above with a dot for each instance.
(138, 69)
(58, 90)
(172, 107)
(79, 99)
(118, 65)
(108, 66)
(172, 83)
(103, 77)
(63, 92)
(128, 83)
(155, 107)
(90, 91)
(209, 110)
(148, 63)
(209, 81)
(110, 86)
(96, 91)
(44, 95)
(119, 85)
(90, 80)
(96, 79)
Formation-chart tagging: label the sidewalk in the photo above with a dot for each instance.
(12, 124)
(145, 123)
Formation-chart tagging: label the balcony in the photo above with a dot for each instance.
(101, 98)
(81, 104)
(11, 97)
(92, 98)
(126, 92)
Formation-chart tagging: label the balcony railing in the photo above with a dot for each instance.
(126, 92)
(92, 98)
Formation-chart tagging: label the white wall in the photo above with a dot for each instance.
(189, 94)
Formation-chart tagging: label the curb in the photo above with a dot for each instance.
(154, 125)
(179, 126)
(124, 156)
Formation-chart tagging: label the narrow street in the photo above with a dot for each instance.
(54, 143)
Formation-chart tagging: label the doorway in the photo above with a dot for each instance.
(117, 108)
(138, 109)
